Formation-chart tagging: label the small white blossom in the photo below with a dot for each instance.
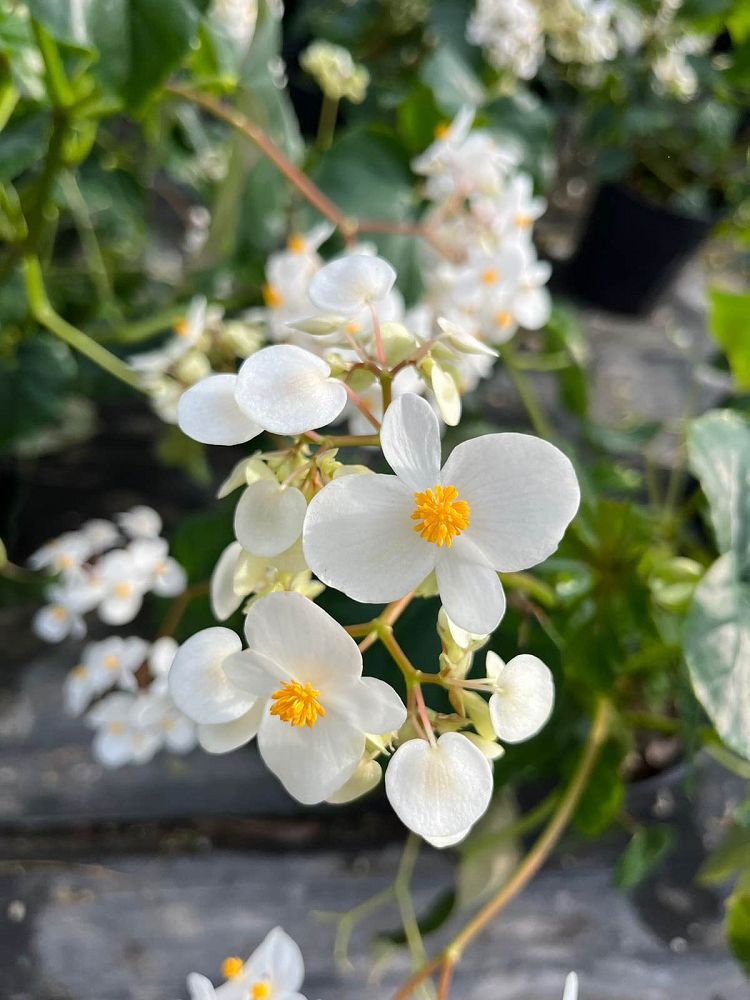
(500, 503)
(274, 971)
(522, 698)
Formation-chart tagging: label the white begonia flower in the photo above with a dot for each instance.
(532, 304)
(519, 209)
(268, 518)
(511, 34)
(439, 789)
(153, 364)
(274, 971)
(288, 390)
(303, 677)
(140, 522)
(59, 619)
(208, 412)
(162, 573)
(156, 713)
(501, 503)
(124, 584)
(103, 665)
(62, 555)
(120, 738)
(352, 283)
(463, 341)
(523, 696)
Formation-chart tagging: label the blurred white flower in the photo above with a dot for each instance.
(274, 971)
(511, 34)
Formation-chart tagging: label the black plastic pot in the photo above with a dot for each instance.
(630, 250)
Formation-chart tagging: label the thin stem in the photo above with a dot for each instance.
(402, 890)
(179, 606)
(533, 860)
(356, 401)
(444, 986)
(327, 123)
(424, 718)
(379, 352)
(533, 818)
(344, 440)
(525, 393)
(58, 86)
(46, 316)
(89, 242)
(347, 922)
(269, 149)
(402, 661)
(386, 383)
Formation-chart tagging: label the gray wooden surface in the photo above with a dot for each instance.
(134, 928)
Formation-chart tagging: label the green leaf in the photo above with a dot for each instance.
(717, 651)
(140, 42)
(732, 855)
(366, 173)
(729, 323)
(719, 455)
(66, 22)
(738, 927)
(451, 79)
(644, 852)
(604, 793)
(34, 383)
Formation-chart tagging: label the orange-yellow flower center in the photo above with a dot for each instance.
(231, 967)
(523, 221)
(59, 613)
(297, 704)
(490, 276)
(123, 589)
(260, 991)
(272, 296)
(111, 662)
(440, 515)
(182, 328)
(296, 243)
(442, 129)
(503, 319)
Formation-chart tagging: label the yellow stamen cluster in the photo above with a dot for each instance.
(272, 296)
(232, 967)
(296, 243)
(182, 328)
(111, 662)
(503, 319)
(297, 704)
(123, 589)
(523, 221)
(440, 515)
(442, 129)
(59, 613)
(490, 276)
(260, 991)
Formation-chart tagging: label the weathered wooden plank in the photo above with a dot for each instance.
(133, 929)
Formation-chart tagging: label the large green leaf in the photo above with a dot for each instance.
(729, 322)
(717, 650)
(646, 849)
(140, 42)
(719, 455)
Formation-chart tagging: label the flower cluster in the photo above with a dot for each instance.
(515, 34)
(105, 567)
(500, 503)
(335, 72)
(119, 682)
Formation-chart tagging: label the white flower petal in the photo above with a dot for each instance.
(288, 390)
(571, 987)
(358, 537)
(524, 698)
(268, 518)
(208, 412)
(366, 777)
(279, 960)
(302, 640)
(442, 842)
(471, 593)
(410, 439)
(522, 494)
(198, 683)
(170, 578)
(369, 704)
(347, 284)
(224, 601)
(226, 736)
(311, 762)
(439, 791)
(200, 988)
(255, 674)
(446, 394)
(532, 308)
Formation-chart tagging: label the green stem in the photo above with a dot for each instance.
(89, 243)
(58, 86)
(327, 123)
(46, 316)
(522, 825)
(402, 890)
(531, 586)
(525, 393)
(142, 329)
